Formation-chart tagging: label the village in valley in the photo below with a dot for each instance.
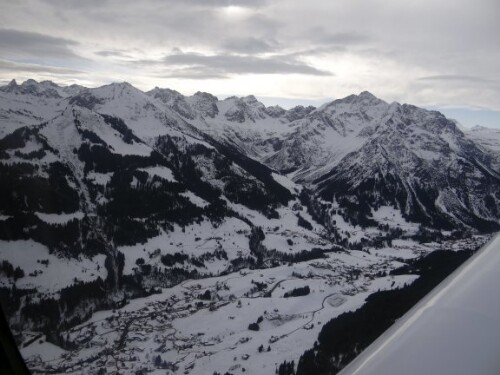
(235, 319)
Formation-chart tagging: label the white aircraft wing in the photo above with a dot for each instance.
(454, 330)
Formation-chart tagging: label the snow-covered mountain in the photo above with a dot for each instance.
(360, 146)
(420, 162)
(121, 192)
(488, 139)
(114, 170)
(31, 103)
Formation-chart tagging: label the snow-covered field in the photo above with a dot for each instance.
(202, 326)
(45, 271)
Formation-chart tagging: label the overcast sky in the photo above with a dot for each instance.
(442, 54)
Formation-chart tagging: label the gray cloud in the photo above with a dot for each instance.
(317, 41)
(10, 66)
(78, 4)
(113, 53)
(315, 52)
(346, 38)
(323, 36)
(456, 78)
(249, 45)
(105, 53)
(222, 3)
(193, 73)
(235, 64)
(23, 43)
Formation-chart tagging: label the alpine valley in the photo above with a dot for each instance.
(151, 232)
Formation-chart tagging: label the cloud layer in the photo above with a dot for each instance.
(17, 43)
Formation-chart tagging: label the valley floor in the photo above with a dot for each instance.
(184, 329)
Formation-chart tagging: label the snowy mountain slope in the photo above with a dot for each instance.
(270, 133)
(488, 139)
(248, 125)
(31, 103)
(416, 145)
(327, 134)
(244, 123)
(90, 146)
(46, 89)
(343, 144)
(157, 209)
(347, 145)
(419, 162)
(147, 117)
(131, 192)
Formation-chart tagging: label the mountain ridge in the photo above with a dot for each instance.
(312, 148)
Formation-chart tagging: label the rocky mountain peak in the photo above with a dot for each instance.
(174, 100)
(45, 89)
(204, 103)
(243, 109)
(121, 92)
(12, 83)
(165, 93)
(366, 95)
(12, 86)
(299, 112)
(49, 83)
(205, 96)
(275, 111)
(251, 99)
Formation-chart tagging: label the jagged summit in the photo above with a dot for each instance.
(238, 109)
(367, 95)
(121, 84)
(29, 82)
(117, 88)
(10, 87)
(206, 95)
(275, 111)
(251, 99)
(168, 96)
(363, 98)
(45, 89)
(49, 83)
(299, 112)
(174, 100)
(204, 103)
